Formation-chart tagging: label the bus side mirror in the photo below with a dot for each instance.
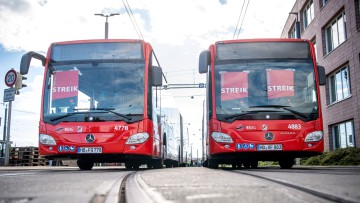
(321, 75)
(204, 61)
(26, 59)
(156, 76)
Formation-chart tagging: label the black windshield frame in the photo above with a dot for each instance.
(96, 51)
(133, 76)
(304, 111)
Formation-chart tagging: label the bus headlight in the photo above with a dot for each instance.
(46, 139)
(137, 138)
(221, 137)
(314, 136)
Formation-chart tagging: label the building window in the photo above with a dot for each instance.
(292, 33)
(340, 85)
(357, 14)
(308, 14)
(335, 32)
(323, 3)
(343, 135)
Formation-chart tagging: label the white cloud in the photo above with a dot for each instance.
(39, 23)
(29, 100)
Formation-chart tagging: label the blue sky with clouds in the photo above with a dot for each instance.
(178, 31)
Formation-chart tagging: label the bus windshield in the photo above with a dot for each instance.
(100, 81)
(279, 88)
(106, 89)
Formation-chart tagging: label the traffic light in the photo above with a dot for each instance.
(19, 81)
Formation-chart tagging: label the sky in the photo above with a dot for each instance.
(178, 30)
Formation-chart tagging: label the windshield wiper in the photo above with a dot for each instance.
(111, 110)
(243, 113)
(235, 116)
(296, 113)
(283, 107)
(66, 115)
(268, 106)
(87, 112)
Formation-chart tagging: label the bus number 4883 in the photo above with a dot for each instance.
(294, 126)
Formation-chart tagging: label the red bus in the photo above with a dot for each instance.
(263, 102)
(101, 103)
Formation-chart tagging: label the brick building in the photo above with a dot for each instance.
(334, 28)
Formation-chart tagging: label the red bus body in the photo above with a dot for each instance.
(98, 94)
(240, 73)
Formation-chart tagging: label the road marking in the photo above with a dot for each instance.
(16, 174)
(204, 196)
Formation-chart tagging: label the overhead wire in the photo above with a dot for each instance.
(137, 29)
(243, 19)
(175, 75)
(182, 70)
(138, 32)
(134, 20)
(237, 24)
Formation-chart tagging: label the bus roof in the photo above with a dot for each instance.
(262, 40)
(96, 41)
(262, 49)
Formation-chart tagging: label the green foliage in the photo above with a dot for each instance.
(267, 163)
(343, 157)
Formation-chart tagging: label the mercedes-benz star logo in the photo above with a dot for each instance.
(269, 136)
(90, 138)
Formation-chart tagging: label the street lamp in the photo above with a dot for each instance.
(106, 23)
(297, 24)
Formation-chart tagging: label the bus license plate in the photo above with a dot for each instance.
(269, 147)
(89, 150)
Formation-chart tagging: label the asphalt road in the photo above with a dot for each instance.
(58, 184)
(115, 184)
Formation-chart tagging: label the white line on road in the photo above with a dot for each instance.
(204, 196)
(16, 174)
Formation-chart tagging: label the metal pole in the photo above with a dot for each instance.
(202, 133)
(5, 117)
(191, 158)
(4, 136)
(181, 141)
(106, 28)
(197, 156)
(188, 139)
(179, 158)
(7, 143)
(106, 22)
(297, 24)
